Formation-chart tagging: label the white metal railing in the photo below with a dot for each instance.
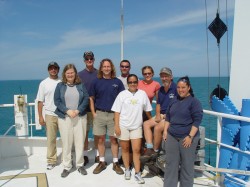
(31, 124)
(218, 143)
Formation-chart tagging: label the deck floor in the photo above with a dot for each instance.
(31, 171)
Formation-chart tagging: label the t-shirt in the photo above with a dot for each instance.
(150, 89)
(105, 91)
(46, 95)
(124, 81)
(130, 106)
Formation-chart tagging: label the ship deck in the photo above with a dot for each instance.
(23, 163)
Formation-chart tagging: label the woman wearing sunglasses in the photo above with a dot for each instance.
(150, 86)
(128, 107)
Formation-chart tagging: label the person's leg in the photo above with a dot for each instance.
(136, 147)
(187, 164)
(125, 152)
(172, 162)
(114, 143)
(99, 130)
(79, 131)
(147, 127)
(51, 132)
(158, 130)
(66, 132)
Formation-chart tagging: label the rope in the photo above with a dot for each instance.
(208, 83)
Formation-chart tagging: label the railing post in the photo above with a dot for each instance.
(21, 116)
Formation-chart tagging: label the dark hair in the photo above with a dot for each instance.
(125, 61)
(67, 67)
(147, 67)
(132, 75)
(100, 73)
(186, 80)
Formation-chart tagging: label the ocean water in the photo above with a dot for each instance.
(202, 87)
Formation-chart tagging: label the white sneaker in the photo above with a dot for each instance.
(50, 166)
(139, 179)
(127, 174)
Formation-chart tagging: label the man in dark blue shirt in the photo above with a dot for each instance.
(87, 76)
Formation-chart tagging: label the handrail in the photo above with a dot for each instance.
(231, 116)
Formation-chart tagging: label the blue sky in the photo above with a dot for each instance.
(159, 33)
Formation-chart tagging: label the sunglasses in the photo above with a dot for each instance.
(124, 66)
(87, 59)
(147, 74)
(133, 82)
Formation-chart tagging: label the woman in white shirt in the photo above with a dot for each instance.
(128, 107)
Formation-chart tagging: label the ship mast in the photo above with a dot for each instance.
(122, 30)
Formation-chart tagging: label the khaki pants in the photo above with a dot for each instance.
(51, 132)
(73, 132)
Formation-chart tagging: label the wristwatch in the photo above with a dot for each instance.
(190, 136)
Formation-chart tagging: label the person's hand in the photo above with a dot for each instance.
(117, 131)
(41, 121)
(187, 141)
(71, 113)
(94, 115)
(75, 113)
(165, 134)
(157, 118)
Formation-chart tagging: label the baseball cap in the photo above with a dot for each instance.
(53, 64)
(88, 53)
(166, 70)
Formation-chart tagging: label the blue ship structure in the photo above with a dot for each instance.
(234, 133)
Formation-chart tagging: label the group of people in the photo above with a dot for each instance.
(120, 107)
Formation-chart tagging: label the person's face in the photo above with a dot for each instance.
(147, 74)
(106, 68)
(125, 68)
(132, 84)
(165, 79)
(53, 71)
(183, 89)
(89, 61)
(70, 75)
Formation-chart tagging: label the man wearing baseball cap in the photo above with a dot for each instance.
(87, 75)
(166, 93)
(45, 98)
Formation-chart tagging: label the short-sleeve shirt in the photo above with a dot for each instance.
(105, 92)
(165, 97)
(130, 106)
(150, 89)
(46, 95)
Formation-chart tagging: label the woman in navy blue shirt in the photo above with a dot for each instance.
(181, 135)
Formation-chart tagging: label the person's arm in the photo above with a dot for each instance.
(188, 139)
(165, 131)
(92, 106)
(40, 113)
(117, 126)
(158, 113)
(83, 105)
(148, 114)
(57, 100)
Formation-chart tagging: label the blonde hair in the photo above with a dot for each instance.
(67, 67)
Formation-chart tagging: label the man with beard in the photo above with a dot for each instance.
(165, 94)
